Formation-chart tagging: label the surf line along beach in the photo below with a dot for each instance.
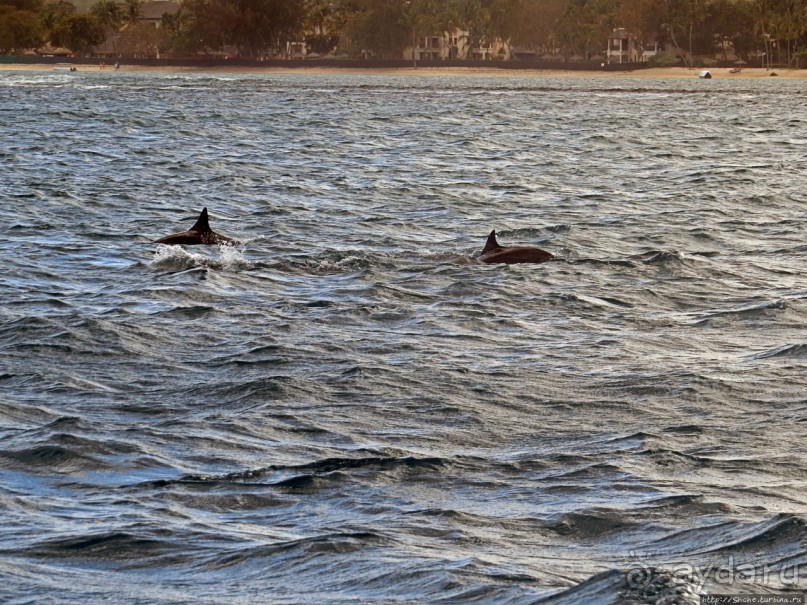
(660, 72)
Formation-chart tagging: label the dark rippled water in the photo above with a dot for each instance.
(349, 408)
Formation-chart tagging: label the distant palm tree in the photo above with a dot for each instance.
(54, 12)
(133, 10)
(108, 12)
(110, 15)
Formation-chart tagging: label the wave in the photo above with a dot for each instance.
(286, 554)
(640, 583)
(188, 312)
(783, 533)
(659, 257)
(755, 311)
(64, 446)
(260, 389)
(595, 301)
(261, 356)
(587, 526)
(796, 351)
(639, 586)
(304, 475)
(52, 457)
(686, 505)
(115, 546)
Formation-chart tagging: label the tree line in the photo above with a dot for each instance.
(776, 29)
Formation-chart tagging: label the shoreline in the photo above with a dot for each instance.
(652, 72)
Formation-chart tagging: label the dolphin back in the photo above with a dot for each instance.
(199, 234)
(491, 244)
(495, 253)
(202, 224)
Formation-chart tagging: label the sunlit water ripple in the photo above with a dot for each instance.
(349, 408)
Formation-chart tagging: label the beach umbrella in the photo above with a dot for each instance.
(739, 63)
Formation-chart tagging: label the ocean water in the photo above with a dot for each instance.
(349, 407)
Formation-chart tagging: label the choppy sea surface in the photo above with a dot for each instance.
(348, 407)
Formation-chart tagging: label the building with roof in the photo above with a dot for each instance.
(152, 12)
(622, 47)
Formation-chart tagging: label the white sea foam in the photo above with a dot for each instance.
(177, 258)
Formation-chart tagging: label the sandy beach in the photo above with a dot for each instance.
(658, 72)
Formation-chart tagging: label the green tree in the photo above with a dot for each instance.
(19, 29)
(384, 28)
(321, 43)
(643, 19)
(344, 17)
(198, 27)
(764, 13)
(504, 19)
(79, 33)
(320, 21)
(473, 16)
(53, 14)
(731, 22)
(682, 18)
(320, 15)
(380, 28)
(536, 23)
(422, 18)
(258, 27)
(142, 40)
(132, 11)
(580, 31)
(108, 13)
(33, 6)
(792, 26)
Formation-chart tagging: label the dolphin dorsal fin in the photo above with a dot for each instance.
(201, 225)
(491, 244)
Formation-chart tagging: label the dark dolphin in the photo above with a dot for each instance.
(199, 234)
(494, 253)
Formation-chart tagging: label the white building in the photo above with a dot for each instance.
(454, 45)
(622, 47)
